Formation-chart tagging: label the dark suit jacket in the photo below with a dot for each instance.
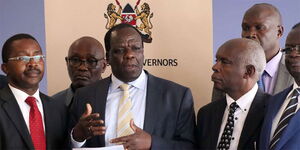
(290, 137)
(66, 96)
(3, 81)
(209, 122)
(14, 132)
(169, 114)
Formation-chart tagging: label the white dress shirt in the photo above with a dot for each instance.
(24, 107)
(137, 93)
(244, 103)
(280, 112)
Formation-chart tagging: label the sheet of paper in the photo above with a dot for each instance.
(117, 147)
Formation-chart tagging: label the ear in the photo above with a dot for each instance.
(250, 71)
(280, 30)
(104, 65)
(4, 68)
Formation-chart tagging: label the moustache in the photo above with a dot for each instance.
(34, 70)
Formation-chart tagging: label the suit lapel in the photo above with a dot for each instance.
(13, 111)
(253, 120)
(99, 105)
(274, 105)
(216, 123)
(48, 119)
(284, 79)
(153, 102)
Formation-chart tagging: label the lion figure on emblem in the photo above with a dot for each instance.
(113, 15)
(146, 24)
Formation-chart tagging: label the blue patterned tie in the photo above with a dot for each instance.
(286, 116)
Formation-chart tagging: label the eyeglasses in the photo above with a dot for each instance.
(26, 59)
(90, 63)
(289, 49)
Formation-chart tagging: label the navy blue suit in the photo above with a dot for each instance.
(290, 137)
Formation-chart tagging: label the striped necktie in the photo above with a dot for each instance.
(286, 116)
(124, 113)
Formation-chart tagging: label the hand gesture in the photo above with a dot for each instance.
(140, 140)
(89, 125)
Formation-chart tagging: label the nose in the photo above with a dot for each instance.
(216, 67)
(32, 62)
(129, 54)
(250, 34)
(83, 66)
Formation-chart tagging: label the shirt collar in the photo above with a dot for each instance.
(272, 65)
(21, 96)
(294, 87)
(139, 83)
(245, 101)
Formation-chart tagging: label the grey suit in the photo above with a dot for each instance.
(283, 81)
(169, 115)
(14, 132)
(209, 120)
(66, 96)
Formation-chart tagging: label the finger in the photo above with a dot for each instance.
(133, 126)
(97, 130)
(122, 139)
(94, 116)
(88, 110)
(96, 123)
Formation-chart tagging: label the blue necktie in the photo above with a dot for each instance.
(260, 82)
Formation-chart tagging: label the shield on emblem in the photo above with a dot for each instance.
(128, 15)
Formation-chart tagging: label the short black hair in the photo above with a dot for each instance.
(6, 49)
(296, 26)
(114, 28)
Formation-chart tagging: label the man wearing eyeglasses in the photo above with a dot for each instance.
(281, 130)
(85, 63)
(28, 118)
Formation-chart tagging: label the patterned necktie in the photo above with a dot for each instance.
(224, 143)
(286, 116)
(36, 125)
(124, 113)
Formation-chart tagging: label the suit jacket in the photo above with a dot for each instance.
(283, 81)
(169, 114)
(14, 132)
(291, 135)
(65, 96)
(209, 120)
(3, 81)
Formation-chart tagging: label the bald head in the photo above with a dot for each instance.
(85, 61)
(247, 52)
(239, 63)
(262, 23)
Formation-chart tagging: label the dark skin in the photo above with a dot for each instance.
(230, 75)
(126, 58)
(86, 48)
(89, 125)
(21, 75)
(126, 55)
(292, 60)
(262, 24)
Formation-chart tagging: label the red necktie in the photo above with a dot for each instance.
(36, 125)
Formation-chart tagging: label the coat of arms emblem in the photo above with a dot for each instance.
(140, 18)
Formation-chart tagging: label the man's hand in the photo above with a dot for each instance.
(140, 140)
(89, 125)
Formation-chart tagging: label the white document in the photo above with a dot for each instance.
(117, 147)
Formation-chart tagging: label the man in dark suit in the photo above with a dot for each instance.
(281, 130)
(262, 23)
(28, 118)
(239, 63)
(3, 81)
(85, 63)
(162, 111)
